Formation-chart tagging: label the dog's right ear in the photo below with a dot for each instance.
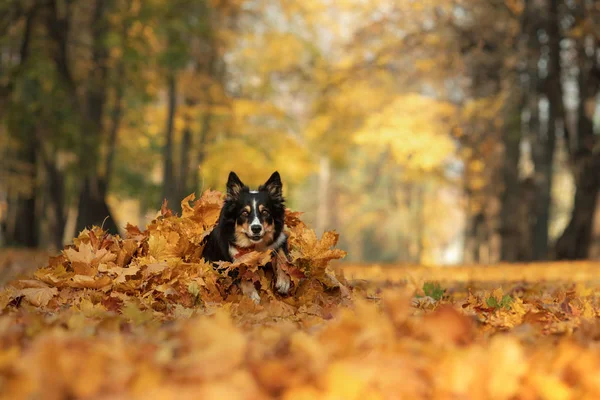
(234, 186)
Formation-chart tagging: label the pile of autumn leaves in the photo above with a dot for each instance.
(144, 317)
(161, 269)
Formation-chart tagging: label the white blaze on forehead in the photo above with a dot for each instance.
(254, 192)
(255, 221)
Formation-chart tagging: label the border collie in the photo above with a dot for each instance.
(250, 220)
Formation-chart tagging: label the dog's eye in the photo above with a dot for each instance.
(245, 213)
(265, 213)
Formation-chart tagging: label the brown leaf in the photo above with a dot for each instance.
(133, 232)
(165, 212)
(84, 281)
(156, 268)
(85, 256)
(186, 210)
(251, 261)
(128, 249)
(292, 218)
(28, 283)
(120, 274)
(39, 296)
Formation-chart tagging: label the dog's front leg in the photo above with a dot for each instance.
(249, 290)
(283, 281)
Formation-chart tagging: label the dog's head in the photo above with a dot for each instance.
(258, 214)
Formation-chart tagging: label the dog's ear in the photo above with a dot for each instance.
(273, 186)
(234, 186)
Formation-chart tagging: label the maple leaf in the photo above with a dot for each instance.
(39, 296)
(433, 290)
(504, 302)
(155, 268)
(292, 219)
(318, 253)
(28, 283)
(55, 276)
(205, 210)
(165, 212)
(88, 282)
(85, 259)
(251, 261)
(186, 209)
(126, 252)
(133, 313)
(163, 245)
(120, 274)
(133, 232)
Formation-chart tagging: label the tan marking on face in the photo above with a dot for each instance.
(245, 226)
(241, 239)
(269, 228)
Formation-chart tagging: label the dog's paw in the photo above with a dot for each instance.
(283, 283)
(255, 297)
(249, 290)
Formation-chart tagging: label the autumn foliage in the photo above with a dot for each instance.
(144, 317)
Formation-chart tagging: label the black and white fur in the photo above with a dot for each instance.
(250, 220)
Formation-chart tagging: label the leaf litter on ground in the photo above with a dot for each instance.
(144, 316)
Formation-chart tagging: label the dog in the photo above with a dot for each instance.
(251, 220)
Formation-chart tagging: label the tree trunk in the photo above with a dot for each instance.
(6, 89)
(575, 241)
(544, 149)
(92, 208)
(475, 239)
(510, 196)
(26, 224)
(116, 116)
(55, 187)
(169, 181)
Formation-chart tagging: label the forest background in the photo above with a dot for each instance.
(431, 132)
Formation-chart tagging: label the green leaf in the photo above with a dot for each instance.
(194, 290)
(506, 301)
(492, 302)
(433, 290)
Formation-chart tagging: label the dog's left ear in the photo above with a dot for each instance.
(273, 186)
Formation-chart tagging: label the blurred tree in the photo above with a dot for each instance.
(582, 140)
(87, 86)
(409, 126)
(19, 165)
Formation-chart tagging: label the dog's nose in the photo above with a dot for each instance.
(256, 228)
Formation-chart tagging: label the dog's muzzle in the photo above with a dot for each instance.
(257, 232)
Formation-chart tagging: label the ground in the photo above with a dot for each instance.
(143, 317)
